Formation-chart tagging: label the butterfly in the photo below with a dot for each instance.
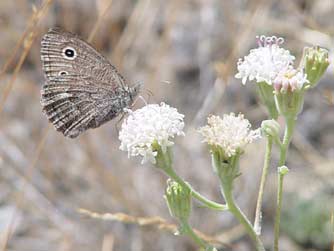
(83, 89)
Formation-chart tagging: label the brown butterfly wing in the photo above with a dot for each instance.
(82, 90)
(74, 104)
(86, 61)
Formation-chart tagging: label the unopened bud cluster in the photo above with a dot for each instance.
(178, 200)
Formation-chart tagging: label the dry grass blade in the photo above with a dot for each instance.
(28, 175)
(156, 222)
(130, 31)
(8, 232)
(332, 226)
(99, 20)
(28, 42)
(217, 91)
(11, 58)
(30, 27)
(108, 243)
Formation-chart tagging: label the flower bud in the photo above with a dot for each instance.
(270, 128)
(210, 249)
(290, 85)
(315, 64)
(289, 104)
(283, 170)
(290, 80)
(178, 199)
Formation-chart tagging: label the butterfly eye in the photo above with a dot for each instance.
(69, 53)
(63, 73)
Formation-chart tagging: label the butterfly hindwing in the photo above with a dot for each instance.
(74, 105)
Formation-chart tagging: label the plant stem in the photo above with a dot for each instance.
(227, 170)
(208, 203)
(187, 229)
(164, 162)
(235, 210)
(258, 213)
(289, 128)
(290, 125)
(278, 210)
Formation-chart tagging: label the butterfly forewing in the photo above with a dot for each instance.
(82, 90)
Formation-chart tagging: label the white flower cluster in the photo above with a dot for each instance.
(267, 62)
(232, 133)
(152, 123)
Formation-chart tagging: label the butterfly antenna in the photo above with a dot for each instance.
(148, 91)
(141, 98)
(149, 94)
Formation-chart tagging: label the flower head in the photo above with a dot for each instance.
(231, 134)
(265, 62)
(152, 124)
(290, 80)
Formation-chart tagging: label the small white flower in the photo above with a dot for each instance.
(265, 62)
(232, 133)
(290, 80)
(152, 123)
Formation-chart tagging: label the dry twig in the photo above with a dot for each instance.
(156, 222)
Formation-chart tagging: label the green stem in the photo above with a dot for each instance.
(235, 210)
(290, 124)
(164, 162)
(208, 203)
(278, 210)
(258, 213)
(227, 170)
(187, 229)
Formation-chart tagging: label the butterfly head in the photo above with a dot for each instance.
(134, 91)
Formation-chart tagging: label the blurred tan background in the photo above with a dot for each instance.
(185, 52)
